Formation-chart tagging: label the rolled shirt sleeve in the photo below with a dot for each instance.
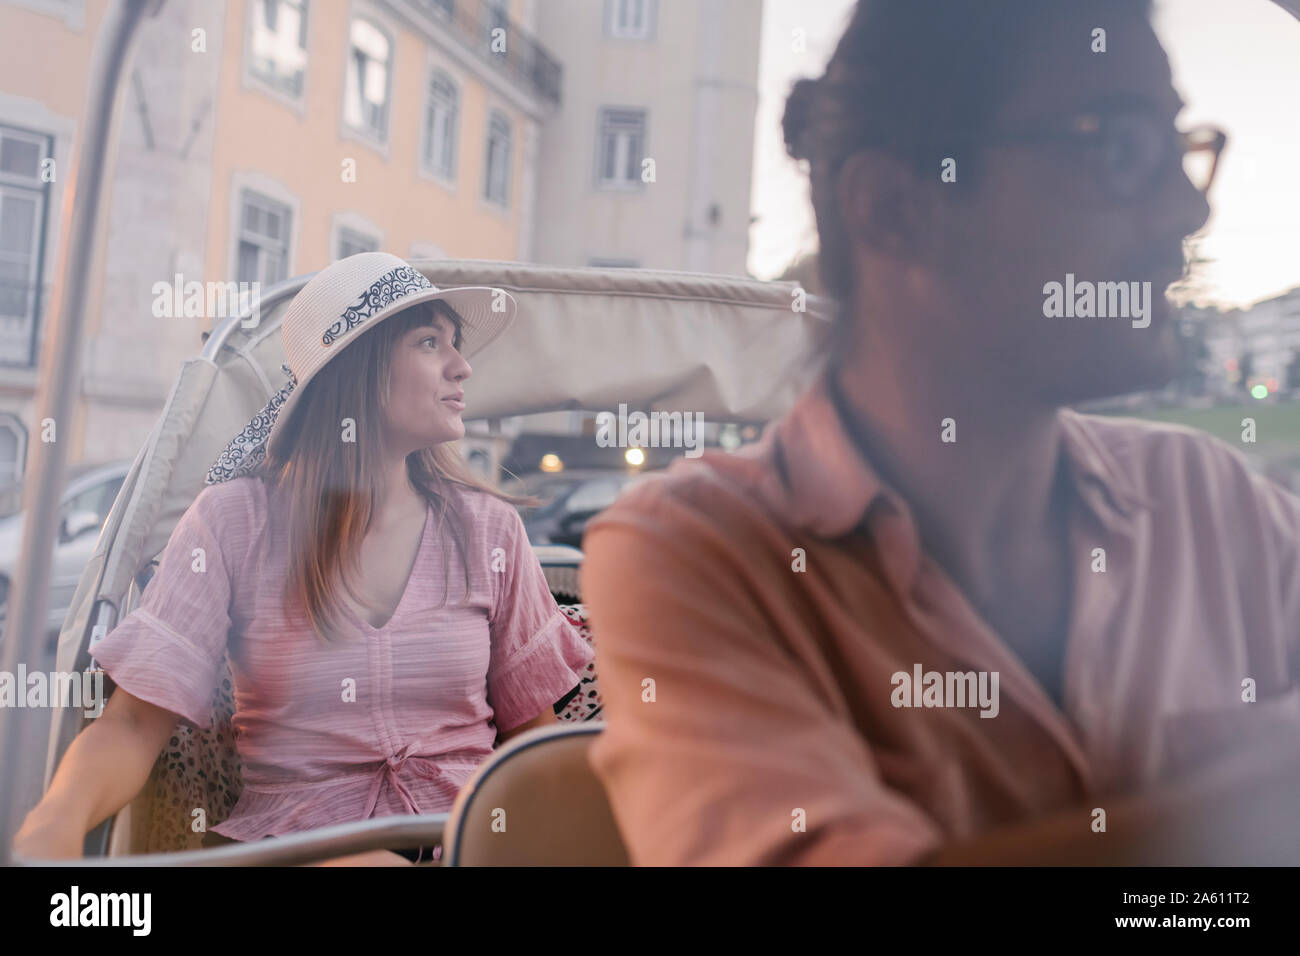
(537, 655)
(717, 749)
(170, 649)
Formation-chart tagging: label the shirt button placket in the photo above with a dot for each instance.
(380, 655)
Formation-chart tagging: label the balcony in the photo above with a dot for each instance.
(524, 61)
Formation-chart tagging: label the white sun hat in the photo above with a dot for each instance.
(335, 307)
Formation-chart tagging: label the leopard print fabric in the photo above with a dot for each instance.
(198, 770)
(201, 769)
(586, 704)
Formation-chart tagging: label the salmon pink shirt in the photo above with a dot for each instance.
(392, 720)
(752, 718)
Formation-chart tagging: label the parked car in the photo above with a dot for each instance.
(569, 500)
(86, 501)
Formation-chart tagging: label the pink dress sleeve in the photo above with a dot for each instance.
(537, 655)
(170, 649)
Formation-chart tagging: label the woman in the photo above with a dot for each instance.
(386, 620)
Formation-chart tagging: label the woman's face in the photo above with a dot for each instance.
(425, 387)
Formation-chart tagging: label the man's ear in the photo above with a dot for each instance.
(881, 202)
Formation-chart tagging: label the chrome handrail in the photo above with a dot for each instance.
(285, 289)
(344, 839)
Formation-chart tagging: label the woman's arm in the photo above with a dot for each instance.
(537, 654)
(102, 771)
(545, 719)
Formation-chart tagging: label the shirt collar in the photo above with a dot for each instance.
(818, 480)
(821, 482)
(1103, 481)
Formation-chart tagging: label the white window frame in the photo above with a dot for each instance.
(615, 29)
(263, 243)
(486, 195)
(446, 177)
(252, 80)
(41, 194)
(367, 134)
(12, 423)
(354, 223)
(269, 188)
(605, 116)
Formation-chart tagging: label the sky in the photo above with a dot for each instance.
(1236, 63)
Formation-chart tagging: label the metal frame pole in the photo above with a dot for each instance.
(58, 385)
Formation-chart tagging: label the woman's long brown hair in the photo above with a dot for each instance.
(334, 486)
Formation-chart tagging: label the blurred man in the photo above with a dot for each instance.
(934, 615)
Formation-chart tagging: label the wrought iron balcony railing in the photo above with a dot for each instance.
(524, 60)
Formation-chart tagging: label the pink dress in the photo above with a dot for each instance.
(392, 721)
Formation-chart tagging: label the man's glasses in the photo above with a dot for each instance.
(1133, 150)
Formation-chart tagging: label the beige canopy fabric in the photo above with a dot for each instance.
(729, 348)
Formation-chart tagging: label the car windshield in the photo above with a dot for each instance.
(548, 490)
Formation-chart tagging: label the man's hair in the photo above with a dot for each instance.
(913, 77)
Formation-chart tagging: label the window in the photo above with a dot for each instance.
(350, 242)
(629, 19)
(621, 147)
(441, 116)
(13, 452)
(23, 197)
(497, 18)
(365, 98)
(496, 181)
(263, 252)
(278, 44)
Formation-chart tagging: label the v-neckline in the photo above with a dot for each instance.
(371, 629)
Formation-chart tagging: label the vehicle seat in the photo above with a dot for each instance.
(525, 804)
(201, 769)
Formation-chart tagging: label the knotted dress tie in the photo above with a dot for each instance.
(390, 770)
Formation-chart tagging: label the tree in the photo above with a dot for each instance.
(1246, 368)
(1193, 354)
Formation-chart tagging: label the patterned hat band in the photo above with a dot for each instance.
(247, 450)
(383, 292)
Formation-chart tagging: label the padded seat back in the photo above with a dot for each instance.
(535, 802)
